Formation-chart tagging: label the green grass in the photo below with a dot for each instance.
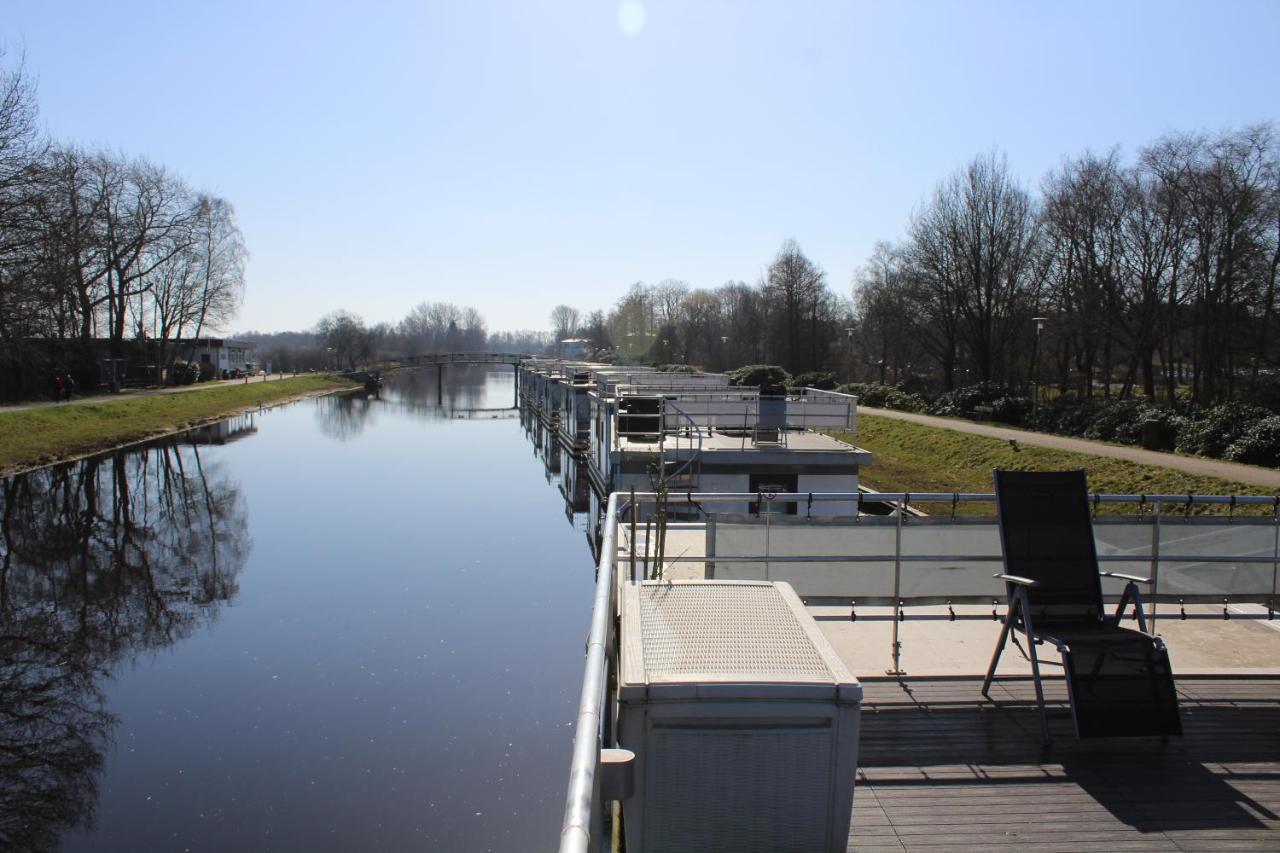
(910, 457)
(39, 436)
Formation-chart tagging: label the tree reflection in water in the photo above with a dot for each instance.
(100, 561)
(345, 416)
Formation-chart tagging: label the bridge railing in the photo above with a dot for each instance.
(467, 358)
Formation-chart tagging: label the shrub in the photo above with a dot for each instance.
(962, 401)
(821, 379)
(1259, 444)
(769, 378)
(1065, 415)
(1010, 409)
(1124, 421)
(674, 368)
(206, 371)
(1216, 429)
(883, 396)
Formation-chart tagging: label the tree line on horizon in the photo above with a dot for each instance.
(790, 317)
(1154, 276)
(99, 245)
(344, 339)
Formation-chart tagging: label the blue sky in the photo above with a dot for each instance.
(512, 156)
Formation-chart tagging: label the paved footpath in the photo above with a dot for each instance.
(145, 392)
(1249, 474)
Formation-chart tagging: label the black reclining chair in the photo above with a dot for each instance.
(1119, 682)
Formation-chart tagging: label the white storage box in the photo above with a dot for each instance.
(743, 720)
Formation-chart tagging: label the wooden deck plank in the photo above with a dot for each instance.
(943, 769)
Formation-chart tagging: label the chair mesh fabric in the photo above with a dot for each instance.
(1121, 681)
(1047, 534)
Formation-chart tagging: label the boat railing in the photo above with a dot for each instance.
(795, 412)
(583, 825)
(609, 383)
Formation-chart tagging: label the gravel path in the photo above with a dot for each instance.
(1234, 471)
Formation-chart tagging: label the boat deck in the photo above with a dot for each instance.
(941, 769)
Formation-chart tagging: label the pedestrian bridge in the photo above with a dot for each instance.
(443, 358)
(440, 359)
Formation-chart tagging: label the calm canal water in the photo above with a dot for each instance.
(340, 624)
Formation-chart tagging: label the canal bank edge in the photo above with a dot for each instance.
(37, 438)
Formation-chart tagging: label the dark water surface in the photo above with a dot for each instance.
(341, 624)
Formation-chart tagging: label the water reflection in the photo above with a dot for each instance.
(583, 505)
(342, 417)
(466, 394)
(101, 561)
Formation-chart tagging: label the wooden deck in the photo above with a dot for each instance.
(942, 770)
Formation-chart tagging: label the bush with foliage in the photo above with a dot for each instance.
(1214, 430)
(184, 372)
(1118, 420)
(1123, 420)
(674, 368)
(1065, 415)
(206, 371)
(1010, 409)
(1259, 444)
(963, 401)
(883, 396)
(769, 378)
(823, 380)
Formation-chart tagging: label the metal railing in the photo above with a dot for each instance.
(584, 811)
(583, 815)
(513, 358)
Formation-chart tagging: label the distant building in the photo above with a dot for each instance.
(222, 353)
(575, 348)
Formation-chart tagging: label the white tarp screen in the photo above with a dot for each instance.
(962, 554)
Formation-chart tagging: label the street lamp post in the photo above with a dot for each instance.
(848, 337)
(1035, 356)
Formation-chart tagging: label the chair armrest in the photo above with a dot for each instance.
(1017, 580)
(1123, 577)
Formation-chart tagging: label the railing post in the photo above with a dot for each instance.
(1275, 558)
(897, 589)
(1155, 567)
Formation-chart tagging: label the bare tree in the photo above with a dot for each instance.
(975, 243)
(348, 337)
(564, 321)
(795, 288)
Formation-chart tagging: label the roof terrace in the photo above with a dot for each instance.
(910, 606)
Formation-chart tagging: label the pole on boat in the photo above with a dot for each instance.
(632, 511)
(897, 588)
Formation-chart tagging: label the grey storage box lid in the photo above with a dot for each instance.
(726, 640)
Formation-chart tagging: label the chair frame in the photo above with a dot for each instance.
(1018, 614)
(1018, 617)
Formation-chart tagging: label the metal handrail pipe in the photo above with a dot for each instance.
(961, 497)
(939, 558)
(580, 800)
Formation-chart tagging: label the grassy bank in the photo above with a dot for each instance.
(35, 437)
(912, 457)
